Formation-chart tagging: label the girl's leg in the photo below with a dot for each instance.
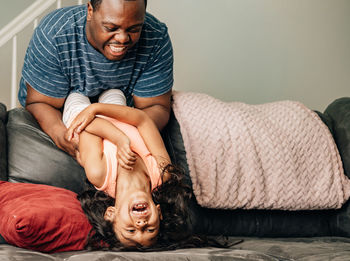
(74, 104)
(90, 155)
(113, 96)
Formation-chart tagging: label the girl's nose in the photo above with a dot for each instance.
(141, 223)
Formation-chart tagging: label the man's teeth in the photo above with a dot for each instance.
(117, 49)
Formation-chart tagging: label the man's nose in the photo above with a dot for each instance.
(122, 37)
(141, 223)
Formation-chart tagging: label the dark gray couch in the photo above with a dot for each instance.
(28, 155)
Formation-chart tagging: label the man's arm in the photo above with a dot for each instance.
(157, 108)
(46, 111)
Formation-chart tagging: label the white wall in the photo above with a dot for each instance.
(259, 51)
(254, 51)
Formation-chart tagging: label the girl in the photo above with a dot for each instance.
(124, 156)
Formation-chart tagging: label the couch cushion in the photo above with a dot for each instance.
(34, 158)
(42, 217)
(3, 143)
(338, 115)
(282, 249)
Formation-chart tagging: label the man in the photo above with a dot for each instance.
(108, 44)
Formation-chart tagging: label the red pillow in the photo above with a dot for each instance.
(41, 217)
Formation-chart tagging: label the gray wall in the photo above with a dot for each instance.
(11, 9)
(8, 11)
(253, 51)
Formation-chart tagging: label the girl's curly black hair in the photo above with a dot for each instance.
(175, 229)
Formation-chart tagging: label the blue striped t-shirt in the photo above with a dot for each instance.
(59, 59)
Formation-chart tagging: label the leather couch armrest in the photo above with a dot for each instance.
(34, 158)
(3, 143)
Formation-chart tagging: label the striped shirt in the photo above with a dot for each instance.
(60, 60)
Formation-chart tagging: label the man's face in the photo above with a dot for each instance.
(115, 26)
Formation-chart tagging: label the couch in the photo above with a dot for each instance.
(28, 155)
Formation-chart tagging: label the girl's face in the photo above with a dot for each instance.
(135, 216)
(136, 220)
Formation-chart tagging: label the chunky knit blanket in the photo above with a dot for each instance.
(271, 156)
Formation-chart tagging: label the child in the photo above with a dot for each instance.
(123, 155)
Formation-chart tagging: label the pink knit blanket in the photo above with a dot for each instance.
(271, 156)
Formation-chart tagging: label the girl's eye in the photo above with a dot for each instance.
(150, 230)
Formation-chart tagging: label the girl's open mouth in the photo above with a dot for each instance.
(140, 208)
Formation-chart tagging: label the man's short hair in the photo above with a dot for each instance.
(96, 3)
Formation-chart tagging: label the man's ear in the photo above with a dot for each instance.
(90, 10)
(109, 214)
(159, 212)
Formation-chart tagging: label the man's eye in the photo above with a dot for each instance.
(150, 230)
(109, 29)
(131, 230)
(135, 30)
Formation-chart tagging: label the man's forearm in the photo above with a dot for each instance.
(159, 114)
(46, 110)
(48, 117)
(50, 121)
(157, 108)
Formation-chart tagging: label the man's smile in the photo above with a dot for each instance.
(117, 50)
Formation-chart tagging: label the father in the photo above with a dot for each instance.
(108, 44)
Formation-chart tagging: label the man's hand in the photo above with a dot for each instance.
(69, 146)
(157, 108)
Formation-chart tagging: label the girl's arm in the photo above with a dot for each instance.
(132, 116)
(106, 130)
(91, 158)
(91, 155)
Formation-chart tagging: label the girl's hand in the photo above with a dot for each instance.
(125, 156)
(83, 119)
